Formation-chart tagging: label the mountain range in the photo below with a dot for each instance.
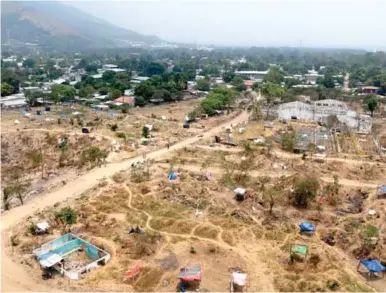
(56, 26)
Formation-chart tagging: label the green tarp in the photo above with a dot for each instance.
(302, 249)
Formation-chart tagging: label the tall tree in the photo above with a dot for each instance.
(6, 89)
(372, 105)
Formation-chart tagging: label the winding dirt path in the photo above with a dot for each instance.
(14, 277)
(265, 280)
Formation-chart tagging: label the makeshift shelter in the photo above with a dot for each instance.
(240, 194)
(133, 272)
(238, 281)
(173, 176)
(190, 277)
(300, 250)
(42, 227)
(85, 130)
(58, 254)
(374, 267)
(306, 227)
(383, 188)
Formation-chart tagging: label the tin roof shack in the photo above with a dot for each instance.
(71, 256)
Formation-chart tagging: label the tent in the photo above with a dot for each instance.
(383, 188)
(239, 278)
(190, 274)
(373, 266)
(173, 176)
(307, 227)
(133, 272)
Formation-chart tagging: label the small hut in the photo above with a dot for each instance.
(190, 278)
(374, 268)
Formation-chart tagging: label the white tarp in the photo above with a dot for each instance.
(51, 260)
(239, 191)
(239, 278)
(43, 226)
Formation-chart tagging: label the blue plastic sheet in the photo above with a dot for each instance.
(307, 227)
(373, 265)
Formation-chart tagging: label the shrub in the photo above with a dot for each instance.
(31, 229)
(332, 285)
(114, 127)
(193, 250)
(304, 191)
(66, 216)
(145, 132)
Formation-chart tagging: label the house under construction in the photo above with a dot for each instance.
(318, 111)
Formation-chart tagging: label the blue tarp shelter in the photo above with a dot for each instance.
(172, 176)
(373, 266)
(307, 227)
(383, 188)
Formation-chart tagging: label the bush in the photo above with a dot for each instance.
(332, 285)
(145, 132)
(114, 127)
(31, 229)
(66, 216)
(304, 191)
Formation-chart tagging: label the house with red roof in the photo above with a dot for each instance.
(249, 83)
(126, 100)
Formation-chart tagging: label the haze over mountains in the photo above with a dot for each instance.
(57, 26)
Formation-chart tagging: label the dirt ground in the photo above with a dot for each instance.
(196, 221)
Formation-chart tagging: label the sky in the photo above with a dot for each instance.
(307, 23)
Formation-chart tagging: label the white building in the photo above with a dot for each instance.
(318, 111)
(109, 66)
(14, 101)
(253, 74)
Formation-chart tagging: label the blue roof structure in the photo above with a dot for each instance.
(373, 265)
(383, 188)
(172, 176)
(307, 227)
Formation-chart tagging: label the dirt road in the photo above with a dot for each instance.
(281, 154)
(14, 277)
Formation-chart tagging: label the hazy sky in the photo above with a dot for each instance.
(323, 23)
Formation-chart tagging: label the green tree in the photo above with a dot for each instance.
(6, 89)
(304, 190)
(256, 86)
(372, 105)
(108, 76)
(238, 83)
(19, 189)
(115, 93)
(328, 81)
(203, 85)
(63, 91)
(86, 92)
(67, 217)
(155, 68)
(29, 63)
(140, 101)
(103, 91)
(145, 89)
(271, 196)
(274, 75)
(228, 76)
